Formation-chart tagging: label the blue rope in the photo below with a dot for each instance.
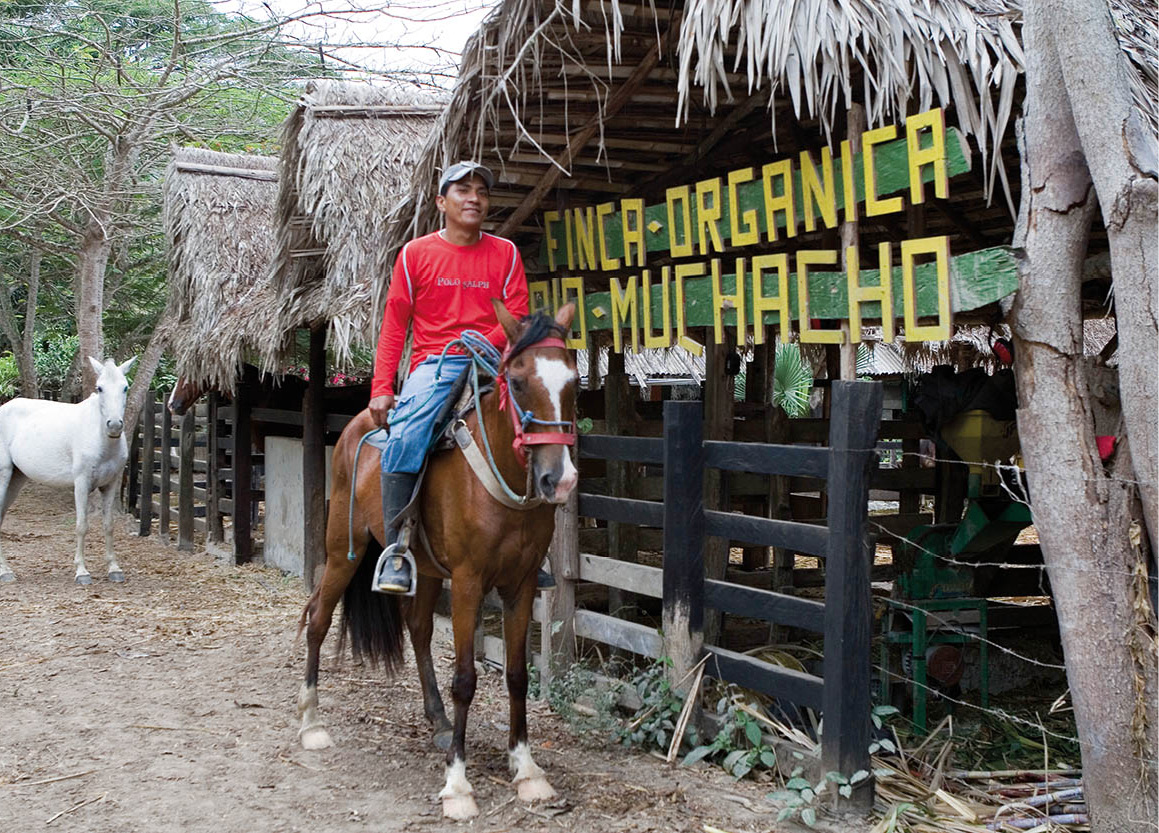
(484, 355)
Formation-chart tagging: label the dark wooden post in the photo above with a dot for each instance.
(164, 510)
(215, 462)
(854, 420)
(314, 461)
(134, 488)
(558, 642)
(684, 541)
(719, 391)
(622, 538)
(148, 457)
(243, 472)
(185, 482)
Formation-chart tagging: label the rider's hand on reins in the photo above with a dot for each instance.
(380, 408)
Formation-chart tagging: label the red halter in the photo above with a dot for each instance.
(520, 419)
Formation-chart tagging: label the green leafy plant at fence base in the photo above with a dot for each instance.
(655, 721)
(800, 796)
(578, 697)
(738, 747)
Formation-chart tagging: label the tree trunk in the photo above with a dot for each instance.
(1120, 153)
(1082, 515)
(143, 377)
(26, 355)
(92, 259)
(22, 343)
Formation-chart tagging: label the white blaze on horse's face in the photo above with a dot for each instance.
(111, 393)
(555, 473)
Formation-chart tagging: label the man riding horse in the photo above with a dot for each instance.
(442, 284)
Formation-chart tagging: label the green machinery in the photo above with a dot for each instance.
(938, 588)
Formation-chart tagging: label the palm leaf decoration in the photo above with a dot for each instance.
(792, 381)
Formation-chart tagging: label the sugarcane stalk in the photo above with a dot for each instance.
(1012, 774)
(1028, 823)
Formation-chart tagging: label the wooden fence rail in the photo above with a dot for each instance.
(184, 473)
(842, 691)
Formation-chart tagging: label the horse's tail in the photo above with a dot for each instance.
(372, 621)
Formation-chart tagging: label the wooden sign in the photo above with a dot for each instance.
(751, 207)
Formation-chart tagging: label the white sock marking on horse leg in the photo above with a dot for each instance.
(458, 802)
(529, 779)
(312, 734)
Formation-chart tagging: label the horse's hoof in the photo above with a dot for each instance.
(534, 789)
(460, 807)
(443, 739)
(7, 578)
(315, 738)
(117, 577)
(85, 579)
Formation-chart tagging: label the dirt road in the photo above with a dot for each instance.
(167, 704)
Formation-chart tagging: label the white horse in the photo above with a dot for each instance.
(60, 444)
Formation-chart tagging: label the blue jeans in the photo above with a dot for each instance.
(418, 404)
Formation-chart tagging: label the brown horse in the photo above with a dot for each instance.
(470, 536)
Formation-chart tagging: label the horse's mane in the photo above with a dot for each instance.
(536, 327)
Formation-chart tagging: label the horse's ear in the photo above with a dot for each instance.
(565, 315)
(124, 368)
(506, 320)
(98, 368)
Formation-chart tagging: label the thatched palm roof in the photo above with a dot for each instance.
(218, 212)
(781, 72)
(348, 155)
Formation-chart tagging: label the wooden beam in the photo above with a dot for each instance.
(314, 461)
(240, 506)
(185, 469)
(219, 170)
(621, 96)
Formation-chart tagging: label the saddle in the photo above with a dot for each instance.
(457, 406)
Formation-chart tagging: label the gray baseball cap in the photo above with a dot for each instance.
(464, 169)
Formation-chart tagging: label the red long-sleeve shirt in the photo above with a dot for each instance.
(445, 289)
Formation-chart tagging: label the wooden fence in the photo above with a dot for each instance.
(183, 471)
(842, 693)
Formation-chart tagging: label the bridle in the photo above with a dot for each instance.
(522, 419)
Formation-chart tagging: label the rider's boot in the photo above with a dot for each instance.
(544, 580)
(394, 572)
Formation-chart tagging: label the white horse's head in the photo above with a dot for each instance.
(112, 391)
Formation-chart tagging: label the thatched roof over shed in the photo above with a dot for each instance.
(348, 154)
(218, 213)
(707, 77)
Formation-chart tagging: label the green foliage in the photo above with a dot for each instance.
(800, 796)
(739, 746)
(792, 381)
(54, 357)
(578, 698)
(653, 724)
(94, 92)
(9, 377)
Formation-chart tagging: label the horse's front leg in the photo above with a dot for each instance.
(108, 498)
(529, 780)
(466, 597)
(80, 492)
